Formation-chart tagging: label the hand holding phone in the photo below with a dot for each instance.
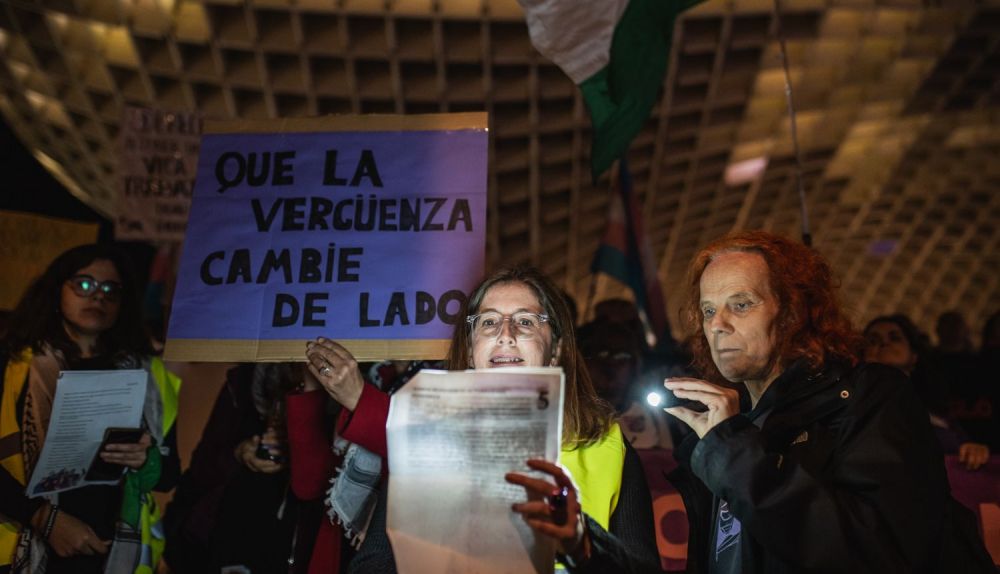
(261, 453)
(120, 448)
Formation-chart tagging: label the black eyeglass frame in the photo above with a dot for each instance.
(111, 290)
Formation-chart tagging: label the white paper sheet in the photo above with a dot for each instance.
(452, 436)
(86, 403)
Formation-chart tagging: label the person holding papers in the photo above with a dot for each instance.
(595, 504)
(83, 313)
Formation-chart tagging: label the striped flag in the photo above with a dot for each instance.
(616, 52)
(625, 254)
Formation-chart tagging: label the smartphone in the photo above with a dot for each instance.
(264, 454)
(103, 470)
(665, 398)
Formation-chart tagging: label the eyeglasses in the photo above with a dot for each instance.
(524, 323)
(86, 286)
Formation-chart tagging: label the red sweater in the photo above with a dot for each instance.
(313, 461)
(312, 464)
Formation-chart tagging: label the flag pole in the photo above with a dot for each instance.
(806, 234)
(592, 294)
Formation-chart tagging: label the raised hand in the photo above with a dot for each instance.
(336, 369)
(722, 403)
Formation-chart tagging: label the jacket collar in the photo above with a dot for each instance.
(803, 395)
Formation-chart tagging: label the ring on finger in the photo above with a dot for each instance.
(325, 370)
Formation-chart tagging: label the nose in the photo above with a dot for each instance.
(719, 323)
(507, 334)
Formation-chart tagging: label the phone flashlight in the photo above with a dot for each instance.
(665, 398)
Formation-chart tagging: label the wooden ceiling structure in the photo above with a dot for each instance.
(898, 114)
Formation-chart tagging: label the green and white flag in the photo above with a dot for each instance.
(616, 52)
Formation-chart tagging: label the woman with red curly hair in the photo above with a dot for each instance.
(802, 459)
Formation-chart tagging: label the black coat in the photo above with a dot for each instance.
(845, 475)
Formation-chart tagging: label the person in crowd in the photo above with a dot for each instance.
(802, 459)
(517, 317)
(988, 365)
(953, 334)
(613, 355)
(625, 314)
(83, 313)
(970, 395)
(239, 476)
(895, 341)
(351, 503)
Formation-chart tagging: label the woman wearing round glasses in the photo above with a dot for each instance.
(599, 513)
(83, 313)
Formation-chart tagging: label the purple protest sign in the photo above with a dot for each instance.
(366, 230)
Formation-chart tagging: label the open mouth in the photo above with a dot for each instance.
(506, 361)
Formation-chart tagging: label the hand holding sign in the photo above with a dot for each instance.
(336, 370)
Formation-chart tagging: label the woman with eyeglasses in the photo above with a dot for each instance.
(83, 313)
(518, 317)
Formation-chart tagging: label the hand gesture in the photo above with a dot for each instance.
(553, 509)
(335, 368)
(722, 403)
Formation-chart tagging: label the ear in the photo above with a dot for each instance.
(554, 362)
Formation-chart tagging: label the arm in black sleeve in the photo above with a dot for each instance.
(14, 504)
(170, 463)
(878, 507)
(630, 546)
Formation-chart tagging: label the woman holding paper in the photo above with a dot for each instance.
(596, 504)
(83, 313)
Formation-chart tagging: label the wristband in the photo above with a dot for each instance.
(50, 521)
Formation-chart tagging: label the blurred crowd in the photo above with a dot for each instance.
(257, 465)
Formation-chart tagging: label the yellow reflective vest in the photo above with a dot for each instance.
(597, 472)
(15, 376)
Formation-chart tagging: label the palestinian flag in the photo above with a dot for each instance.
(625, 254)
(616, 51)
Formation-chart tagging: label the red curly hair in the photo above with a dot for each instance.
(810, 322)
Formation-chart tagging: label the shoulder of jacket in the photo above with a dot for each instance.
(871, 384)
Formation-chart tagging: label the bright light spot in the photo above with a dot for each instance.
(654, 399)
(745, 171)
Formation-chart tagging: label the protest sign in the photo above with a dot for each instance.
(28, 243)
(157, 158)
(368, 230)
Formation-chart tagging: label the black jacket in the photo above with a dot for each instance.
(844, 475)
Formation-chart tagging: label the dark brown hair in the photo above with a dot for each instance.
(37, 320)
(586, 417)
(810, 323)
